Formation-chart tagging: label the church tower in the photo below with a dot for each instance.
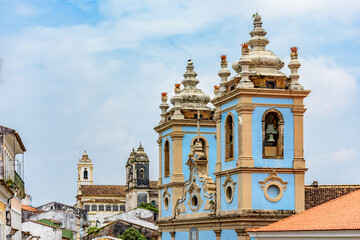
(137, 178)
(85, 171)
(250, 168)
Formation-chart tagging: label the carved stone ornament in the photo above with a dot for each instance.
(229, 187)
(273, 180)
(166, 198)
(192, 191)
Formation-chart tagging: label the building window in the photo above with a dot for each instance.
(166, 202)
(122, 208)
(167, 159)
(229, 138)
(273, 134)
(108, 208)
(93, 207)
(85, 174)
(101, 208)
(142, 173)
(115, 208)
(87, 207)
(153, 203)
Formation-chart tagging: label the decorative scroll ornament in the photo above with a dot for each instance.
(273, 180)
(197, 193)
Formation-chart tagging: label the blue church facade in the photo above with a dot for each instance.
(241, 164)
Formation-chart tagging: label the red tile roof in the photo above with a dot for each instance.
(29, 208)
(342, 213)
(102, 190)
(316, 195)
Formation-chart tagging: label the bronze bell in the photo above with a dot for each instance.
(270, 130)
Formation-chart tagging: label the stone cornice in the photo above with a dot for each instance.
(259, 92)
(259, 170)
(185, 123)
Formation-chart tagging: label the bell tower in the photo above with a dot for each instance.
(85, 171)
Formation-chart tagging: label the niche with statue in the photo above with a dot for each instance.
(273, 134)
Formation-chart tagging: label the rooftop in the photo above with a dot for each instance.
(103, 190)
(319, 194)
(339, 214)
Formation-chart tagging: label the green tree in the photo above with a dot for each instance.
(132, 234)
(148, 206)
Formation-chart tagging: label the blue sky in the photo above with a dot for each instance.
(80, 74)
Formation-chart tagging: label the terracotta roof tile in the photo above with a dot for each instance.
(29, 208)
(342, 213)
(104, 201)
(102, 190)
(316, 195)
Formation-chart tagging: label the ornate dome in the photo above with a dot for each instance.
(192, 98)
(263, 62)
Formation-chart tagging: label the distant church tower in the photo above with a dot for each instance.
(85, 171)
(137, 178)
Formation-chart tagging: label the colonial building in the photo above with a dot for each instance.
(102, 201)
(12, 189)
(240, 164)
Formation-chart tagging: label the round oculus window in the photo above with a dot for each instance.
(229, 194)
(273, 191)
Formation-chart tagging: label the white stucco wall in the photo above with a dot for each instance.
(45, 232)
(68, 220)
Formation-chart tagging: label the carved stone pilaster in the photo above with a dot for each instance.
(241, 234)
(172, 235)
(217, 234)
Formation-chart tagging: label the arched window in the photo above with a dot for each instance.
(87, 207)
(101, 208)
(229, 138)
(122, 208)
(142, 173)
(153, 203)
(85, 174)
(273, 134)
(108, 208)
(115, 208)
(167, 159)
(93, 207)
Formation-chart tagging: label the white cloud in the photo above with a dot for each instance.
(333, 87)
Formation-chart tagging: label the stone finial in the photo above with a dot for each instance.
(177, 101)
(191, 97)
(163, 106)
(217, 90)
(258, 41)
(140, 148)
(294, 66)
(224, 73)
(245, 62)
(190, 75)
